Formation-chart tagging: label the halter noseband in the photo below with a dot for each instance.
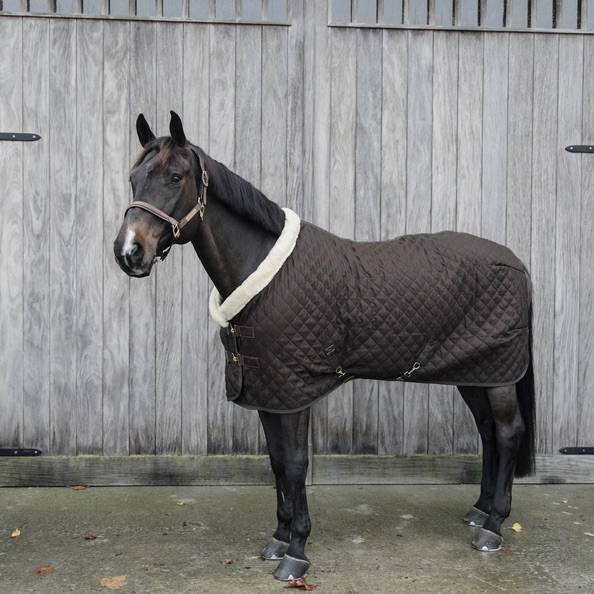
(177, 226)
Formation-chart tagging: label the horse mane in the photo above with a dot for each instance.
(236, 193)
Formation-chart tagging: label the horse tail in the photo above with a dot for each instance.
(525, 392)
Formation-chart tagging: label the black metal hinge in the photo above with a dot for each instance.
(580, 450)
(19, 452)
(580, 148)
(19, 136)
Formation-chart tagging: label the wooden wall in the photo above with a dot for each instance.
(368, 132)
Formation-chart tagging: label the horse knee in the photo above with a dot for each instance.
(295, 467)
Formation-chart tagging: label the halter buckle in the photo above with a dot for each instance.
(205, 178)
(175, 229)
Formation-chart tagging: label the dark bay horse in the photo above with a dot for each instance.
(183, 195)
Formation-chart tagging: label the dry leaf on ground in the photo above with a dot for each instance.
(227, 561)
(15, 533)
(89, 535)
(114, 582)
(44, 569)
(301, 584)
(79, 487)
(517, 527)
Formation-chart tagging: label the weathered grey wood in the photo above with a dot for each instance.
(253, 91)
(587, 15)
(415, 13)
(466, 12)
(364, 11)
(36, 237)
(469, 174)
(276, 10)
(340, 11)
(494, 178)
(116, 287)
(545, 149)
(53, 471)
(225, 9)
(200, 9)
(194, 361)
(63, 178)
(222, 147)
(441, 12)
(492, 13)
(393, 208)
(517, 14)
(143, 93)
(89, 237)
(542, 14)
(443, 205)
(389, 12)
(250, 9)
(418, 206)
(367, 206)
(519, 145)
(567, 13)
(11, 241)
(169, 278)
(342, 216)
(585, 428)
(567, 243)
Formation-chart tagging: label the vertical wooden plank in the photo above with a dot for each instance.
(250, 9)
(340, 11)
(116, 285)
(542, 14)
(567, 242)
(143, 91)
(466, 12)
(389, 12)
(11, 240)
(36, 234)
(194, 361)
(443, 205)
(169, 274)
(441, 12)
(492, 12)
(62, 148)
(222, 143)
(418, 205)
(317, 61)
(470, 102)
(519, 145)
(342, 188)
(545, 149)
(367, 205)
(89, 236)
(567, 13)
(585, 432)
(495, 55)
(393, 207)
(587, 15)
(517, 14)
(260, 93)
(276, 10)
(364, 11)
(415, 13)
(225, 9)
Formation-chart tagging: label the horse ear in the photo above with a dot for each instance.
(145, 134)
(177, 130)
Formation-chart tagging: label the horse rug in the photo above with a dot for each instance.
(446, 308)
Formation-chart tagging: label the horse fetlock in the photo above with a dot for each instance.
(291, 568)
(274, 549)
(476, 517)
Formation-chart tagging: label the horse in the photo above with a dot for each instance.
(303, 311)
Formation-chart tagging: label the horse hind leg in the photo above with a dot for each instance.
(509, 428)
(478, 402)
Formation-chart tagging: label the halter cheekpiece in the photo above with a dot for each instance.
(177, 226)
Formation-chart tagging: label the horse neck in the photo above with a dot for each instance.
(229, 245)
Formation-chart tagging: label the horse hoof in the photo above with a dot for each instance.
(476, 517)
(487, 541)
(291, 568)
(274, 549)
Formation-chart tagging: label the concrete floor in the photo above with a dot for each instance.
(381, 539)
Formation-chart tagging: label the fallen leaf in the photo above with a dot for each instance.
(89, 535)
(227, 561)
(113, 582)
(517, 527)
(79, 487)
(301, 584)
(45, 569)
(15, 533)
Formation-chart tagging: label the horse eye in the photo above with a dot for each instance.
(175, 179)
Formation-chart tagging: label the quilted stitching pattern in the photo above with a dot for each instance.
(457, 304)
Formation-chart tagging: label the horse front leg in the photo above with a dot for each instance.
(286, 436)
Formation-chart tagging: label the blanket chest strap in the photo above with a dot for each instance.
(242, 360)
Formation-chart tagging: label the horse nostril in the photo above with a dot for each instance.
(135, 252)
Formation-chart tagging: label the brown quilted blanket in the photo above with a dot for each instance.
(446, 308)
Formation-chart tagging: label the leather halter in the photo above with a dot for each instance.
(177, 226)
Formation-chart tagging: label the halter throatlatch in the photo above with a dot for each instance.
(177, 226)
